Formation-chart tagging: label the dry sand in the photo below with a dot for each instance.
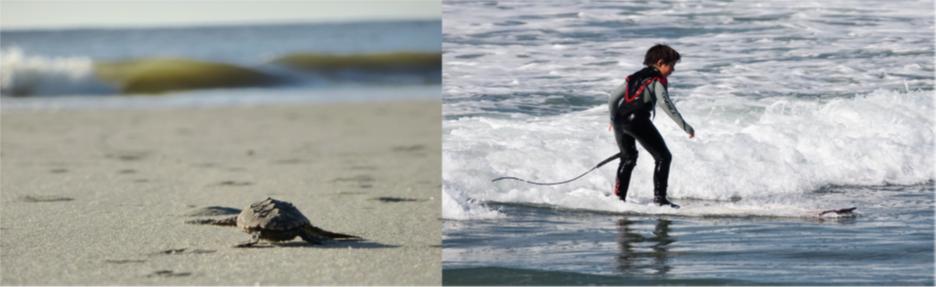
(100, 197)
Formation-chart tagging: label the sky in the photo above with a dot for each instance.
(41, 14)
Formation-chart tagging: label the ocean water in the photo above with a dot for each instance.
(219, 65)
(797, 106)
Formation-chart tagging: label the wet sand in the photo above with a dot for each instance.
(100, 197)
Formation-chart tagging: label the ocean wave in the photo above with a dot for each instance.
(456, 204)
(763, 156)
(152, 76)
(24, 75)
(511, 56)
(396, 67)
(378, 61)
(42, 76)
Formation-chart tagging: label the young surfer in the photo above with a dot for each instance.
(631, 106)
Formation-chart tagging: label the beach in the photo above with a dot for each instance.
(100, 197)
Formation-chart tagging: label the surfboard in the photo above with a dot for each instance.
(836, 211)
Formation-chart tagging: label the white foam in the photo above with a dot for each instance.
(24, 75)
(457, 205)
(746, 49)
(786, 98)
(769, 153)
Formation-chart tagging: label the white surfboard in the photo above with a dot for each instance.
(836, 211)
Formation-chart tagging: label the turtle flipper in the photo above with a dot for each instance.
(232, 221)
(253, 240)
(318, 232)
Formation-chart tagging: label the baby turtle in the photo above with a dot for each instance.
(275, 220)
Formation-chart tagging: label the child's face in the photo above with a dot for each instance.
(665, 69)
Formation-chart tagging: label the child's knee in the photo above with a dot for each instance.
(665, 156)
(630, 158)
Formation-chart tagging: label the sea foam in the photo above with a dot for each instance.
(24, 75)
(788, 100)
(748, 154)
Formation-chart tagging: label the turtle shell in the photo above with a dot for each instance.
(271, 214)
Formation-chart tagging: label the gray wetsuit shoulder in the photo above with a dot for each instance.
(659, 95)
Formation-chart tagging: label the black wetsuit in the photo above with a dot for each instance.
(631, 107)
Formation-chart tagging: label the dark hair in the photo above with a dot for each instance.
(661, 52)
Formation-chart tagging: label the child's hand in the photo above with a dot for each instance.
(691, 135)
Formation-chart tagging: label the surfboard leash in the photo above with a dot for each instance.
(613, 157)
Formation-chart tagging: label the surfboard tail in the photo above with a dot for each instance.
(836, 211)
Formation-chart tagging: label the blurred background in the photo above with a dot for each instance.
(58, 54)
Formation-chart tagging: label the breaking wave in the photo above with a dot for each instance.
(24, 75)
(750, 156)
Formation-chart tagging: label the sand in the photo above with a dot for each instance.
(100, 197)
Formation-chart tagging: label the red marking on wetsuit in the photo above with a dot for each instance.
(629, 99)
(617, 184)
(626, 96)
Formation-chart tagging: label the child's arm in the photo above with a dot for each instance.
(663, 99)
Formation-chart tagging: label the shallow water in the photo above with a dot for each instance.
(541, 245)
(243, 97)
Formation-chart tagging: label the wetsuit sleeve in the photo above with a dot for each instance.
(663, 99)
(615, 99)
